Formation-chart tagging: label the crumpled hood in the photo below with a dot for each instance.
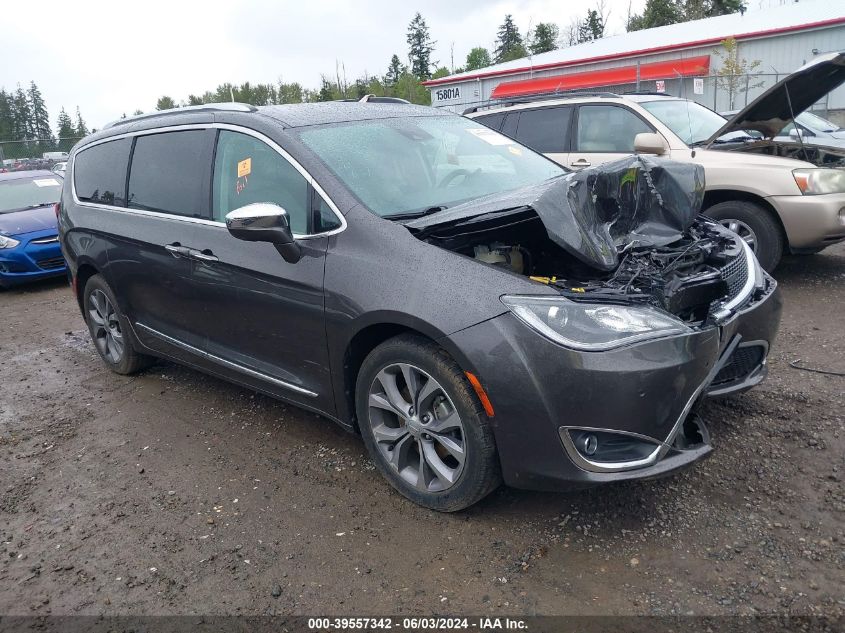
(771, 111)
(595, 213)
(27, 221)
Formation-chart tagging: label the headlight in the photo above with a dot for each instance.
(592, 327)
(7, 242)
(818, 181)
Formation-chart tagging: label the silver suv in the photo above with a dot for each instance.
(779, 196)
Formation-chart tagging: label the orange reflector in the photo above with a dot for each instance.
(482, 395)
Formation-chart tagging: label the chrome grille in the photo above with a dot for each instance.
(735, 274)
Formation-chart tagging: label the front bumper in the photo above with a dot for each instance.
(38, 256)
(540, 391)
(811, 222)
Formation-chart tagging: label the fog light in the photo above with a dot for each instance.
(589, 444)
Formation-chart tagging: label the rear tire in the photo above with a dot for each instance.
(436, 446)
(754, 224)
(109, 329)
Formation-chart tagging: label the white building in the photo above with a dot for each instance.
(680, 59)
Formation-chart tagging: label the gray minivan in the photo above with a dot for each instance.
(462, 302)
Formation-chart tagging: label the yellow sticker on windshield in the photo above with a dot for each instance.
(244, 167)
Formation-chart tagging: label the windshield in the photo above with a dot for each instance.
(26, 193)
(405, 166)
(691, 121)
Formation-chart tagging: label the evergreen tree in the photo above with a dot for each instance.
(509, 43)
(165, 103)
(21, 117)
(290, 93)
(478, 57)
(81, 129)
(40, 118)
(656, 13)
(394, 71)
(194, 100)
(6, 122)
(592, 28)
(66, 132)
(420, 48)
(544, 38)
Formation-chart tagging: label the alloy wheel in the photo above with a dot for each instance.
(743, 230)
(416, 427)
(105, 327)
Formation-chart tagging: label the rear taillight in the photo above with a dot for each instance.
(57, 208)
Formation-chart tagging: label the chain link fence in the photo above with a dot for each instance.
(33, 153)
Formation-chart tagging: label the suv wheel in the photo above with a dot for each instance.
(424, 427)
(755, 225)
(109, 329)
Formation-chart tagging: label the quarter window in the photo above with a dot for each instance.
(247, 170)
(493, 121)
(170, 173)
(545, 130)
(603, 128)
(99, 172)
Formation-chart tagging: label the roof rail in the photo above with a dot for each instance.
(205, 107)
(543, 96)
(656, 93)
(374, 99)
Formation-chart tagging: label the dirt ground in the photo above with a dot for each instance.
(175, 493)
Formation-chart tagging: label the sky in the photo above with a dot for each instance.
(113, 57)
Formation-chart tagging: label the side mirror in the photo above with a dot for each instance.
(650, 143)
(264, 222)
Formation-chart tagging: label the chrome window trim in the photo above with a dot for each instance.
(182, 218)
(226, 363)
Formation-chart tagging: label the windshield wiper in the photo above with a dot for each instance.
(412, 215)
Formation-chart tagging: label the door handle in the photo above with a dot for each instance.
(177, 250)
(581, 162)
(203, 256)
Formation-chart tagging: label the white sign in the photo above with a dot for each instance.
(46, 182)
(446, 96)
(660, 85)
(698, 85)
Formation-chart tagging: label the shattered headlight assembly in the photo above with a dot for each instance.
(592, 327)
(813, 182)
(7, 242)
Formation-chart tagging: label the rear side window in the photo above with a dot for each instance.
(545, 130)
(170, 173)
(99, 172)
(604, 128)
(493, 121)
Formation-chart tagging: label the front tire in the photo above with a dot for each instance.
(424, 427)
(755, 225)
(109, 329)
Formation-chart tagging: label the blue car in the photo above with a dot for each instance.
(29, 243)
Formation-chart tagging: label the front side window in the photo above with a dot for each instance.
(545, 130)
(247, 171)
(99, 172)
(690, 121)
(170, 173)
(604, 128)
(493, 121)
(402, 166)
(29, 193)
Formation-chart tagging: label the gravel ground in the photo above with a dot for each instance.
(175, 493)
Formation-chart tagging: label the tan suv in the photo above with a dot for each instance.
(779, 196)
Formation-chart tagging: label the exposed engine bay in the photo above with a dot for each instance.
(816, 154)
(624, 232)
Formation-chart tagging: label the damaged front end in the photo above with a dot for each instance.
(628, 232)
(634, 267)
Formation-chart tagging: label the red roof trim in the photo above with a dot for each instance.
(689, 67)
(643, 51)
